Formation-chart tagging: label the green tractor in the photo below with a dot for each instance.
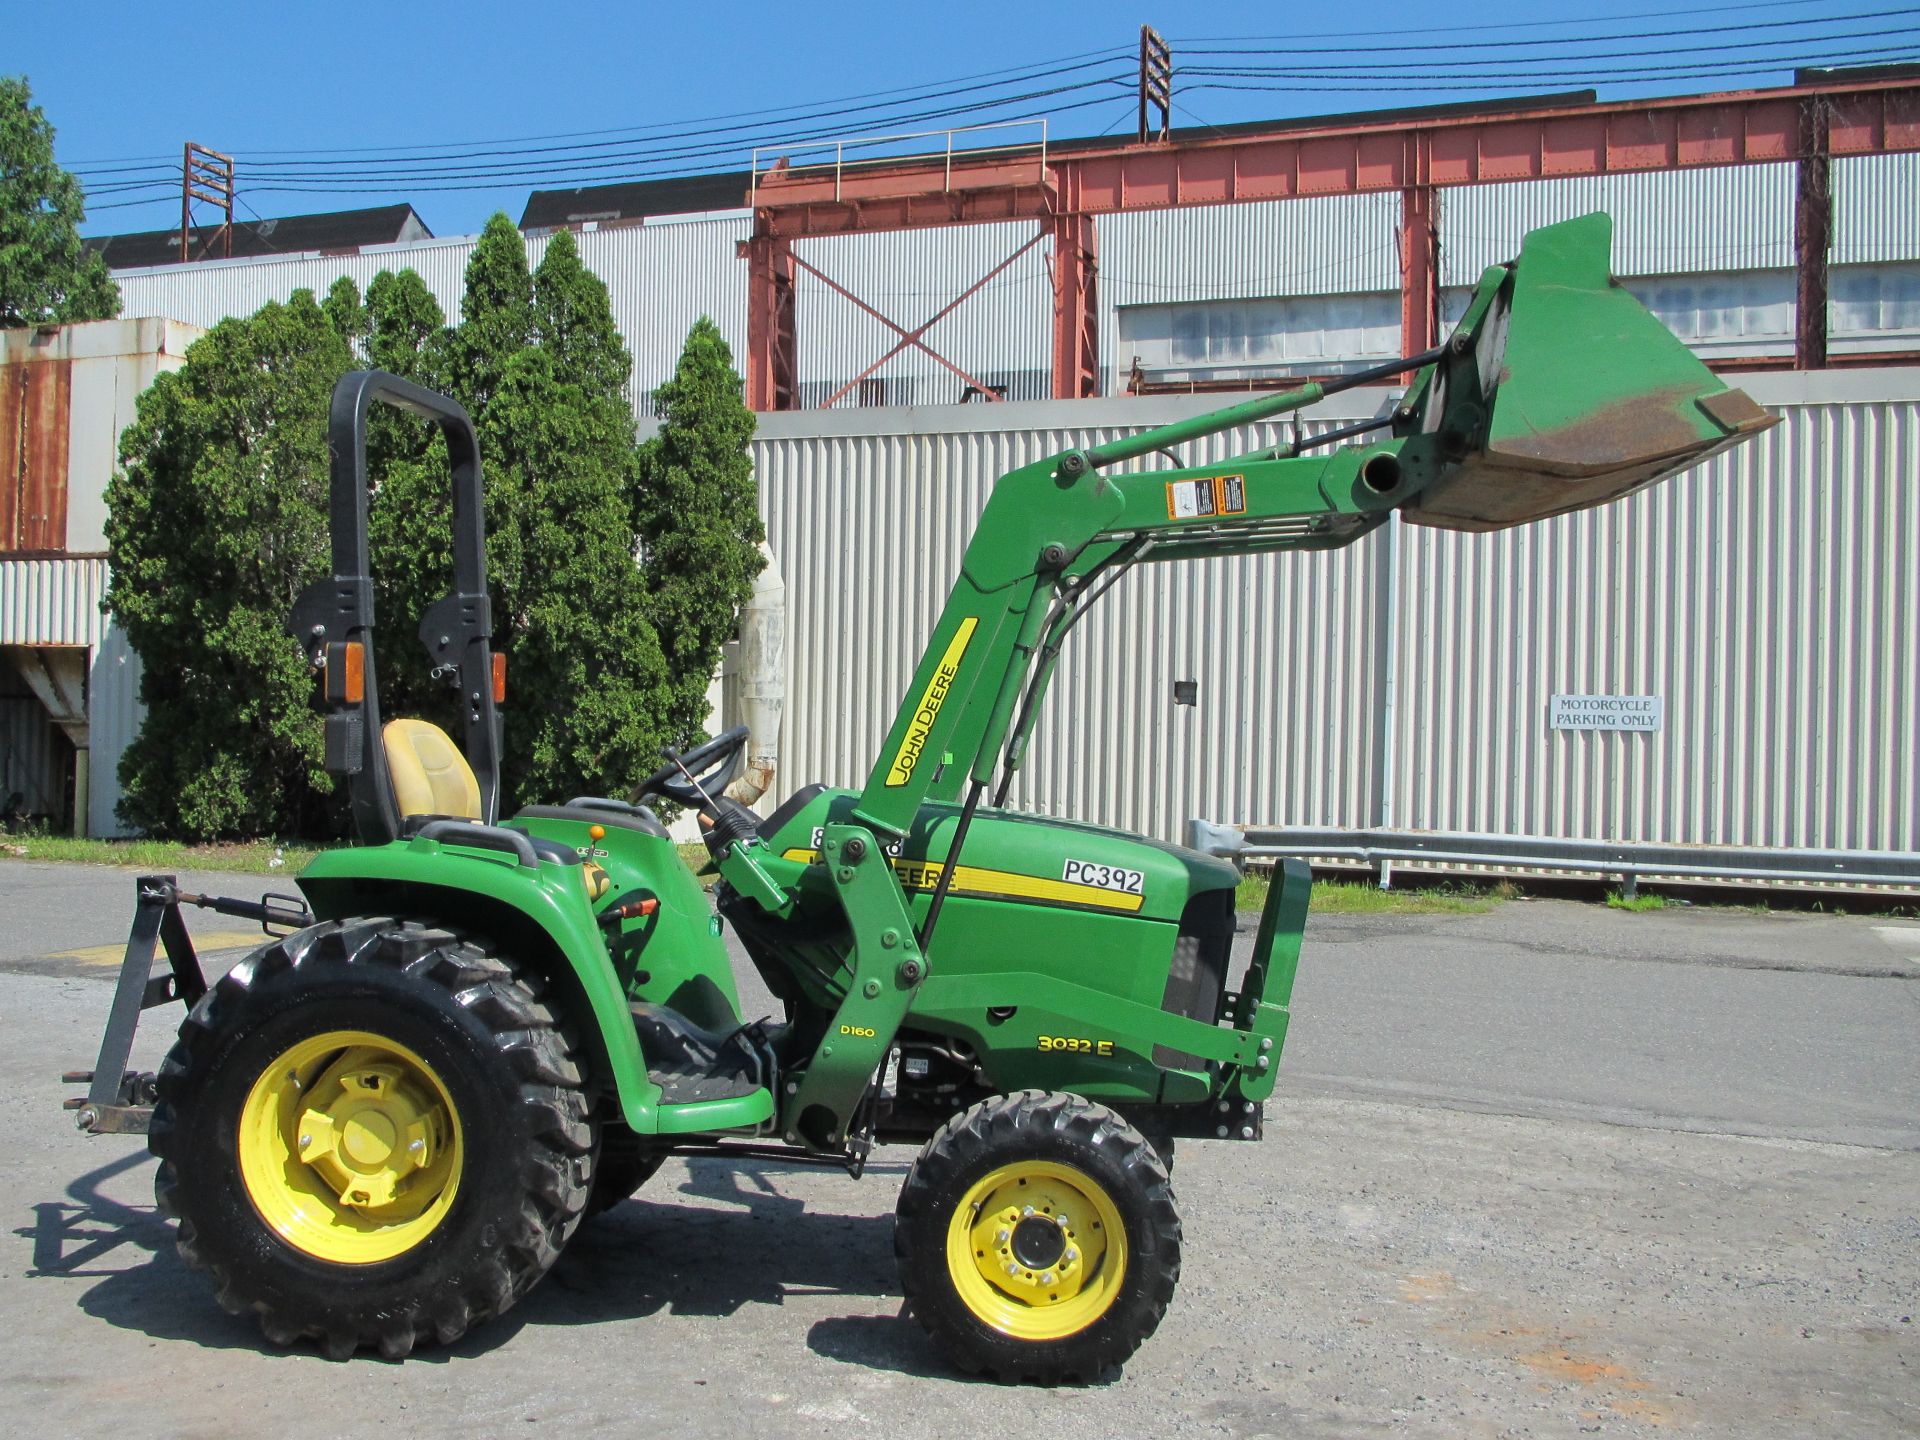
(383, 1127)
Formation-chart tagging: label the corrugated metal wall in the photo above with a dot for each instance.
(1876, 212)
(34, 756)
(114, 716)
(52, 602)
(869, 529)
(1771, 598)
(1665, 223)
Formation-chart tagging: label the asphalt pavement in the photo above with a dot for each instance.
(1548, 1170)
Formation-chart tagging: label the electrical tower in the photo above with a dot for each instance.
(1156, 80)
(207, 175)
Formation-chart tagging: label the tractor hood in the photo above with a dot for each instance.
(1019, 858)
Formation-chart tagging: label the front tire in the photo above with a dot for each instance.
(1037, 1238)
(372, 1133)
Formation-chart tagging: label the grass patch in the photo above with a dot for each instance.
(249, 857)
(1357, 897)
(1644, 901)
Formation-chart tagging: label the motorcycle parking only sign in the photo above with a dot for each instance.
(1605, 712)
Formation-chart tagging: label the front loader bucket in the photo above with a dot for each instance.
(1586, 397)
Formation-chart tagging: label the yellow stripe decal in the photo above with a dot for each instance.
(928, 710)
(972, 880)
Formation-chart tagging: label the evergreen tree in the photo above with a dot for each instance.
(46, 275)
(215, 524)
(573, 316)
(588, 684)
(496, 314)
(696, 517)
(344, 311)
(409, 330)
(219, 520)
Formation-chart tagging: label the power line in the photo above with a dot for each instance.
(587, 167)
(1503, 27)
(1638, 35)
(1749, 63)
(1602, 76)
(1415, 85)
(912, 94)
(639, 171)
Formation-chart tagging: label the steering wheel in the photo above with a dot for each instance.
(718, 758)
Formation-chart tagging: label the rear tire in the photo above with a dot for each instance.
(1037, 1238)
(372, 1133)
(625, 1163)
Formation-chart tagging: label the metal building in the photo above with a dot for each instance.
(1406, 682)
(69, 684)
(1768, 600)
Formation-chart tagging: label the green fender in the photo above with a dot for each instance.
(355, 881)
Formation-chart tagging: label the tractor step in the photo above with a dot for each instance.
(692, 1064)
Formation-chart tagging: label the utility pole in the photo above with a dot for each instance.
(1156, 80)
(205, 175)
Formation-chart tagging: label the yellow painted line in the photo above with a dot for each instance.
(205, 943)
(972, 880)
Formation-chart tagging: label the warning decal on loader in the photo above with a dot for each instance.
(920, 725)
(1206, 497)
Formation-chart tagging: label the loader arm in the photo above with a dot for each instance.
(1556, 392)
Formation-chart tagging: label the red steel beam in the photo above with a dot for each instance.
(1812, 235)
(1076, 309)
(1419, 251)
(772, 346)
(1414, 156)
(1678, 132)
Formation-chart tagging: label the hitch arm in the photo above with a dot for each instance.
(120, 1101)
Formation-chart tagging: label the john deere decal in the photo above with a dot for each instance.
(928, 710)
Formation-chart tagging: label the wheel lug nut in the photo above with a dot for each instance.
(305, 1141)
(1026, 1212)
(1070, 1257)
(1002, 1235)
(1047, 1279)
(1012, 1269)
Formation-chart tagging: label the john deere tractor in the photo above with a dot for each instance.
(474, 1029)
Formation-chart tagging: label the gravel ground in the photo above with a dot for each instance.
(1396, 1258)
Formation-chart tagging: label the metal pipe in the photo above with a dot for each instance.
(950, 865)
(1131, 447)
(1881, 869)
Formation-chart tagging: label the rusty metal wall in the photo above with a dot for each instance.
(36, 399)
(1771, 598)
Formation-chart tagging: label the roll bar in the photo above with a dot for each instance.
(333, 614)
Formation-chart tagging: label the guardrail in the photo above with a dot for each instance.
(840, 164)
(1632, 862)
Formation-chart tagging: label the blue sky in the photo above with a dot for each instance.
(126, 85)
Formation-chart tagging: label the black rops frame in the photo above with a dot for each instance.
(457, 629)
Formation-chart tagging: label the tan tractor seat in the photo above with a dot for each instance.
(430, 775)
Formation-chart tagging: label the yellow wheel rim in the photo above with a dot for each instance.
(1037, 1250)
(350, 1147)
